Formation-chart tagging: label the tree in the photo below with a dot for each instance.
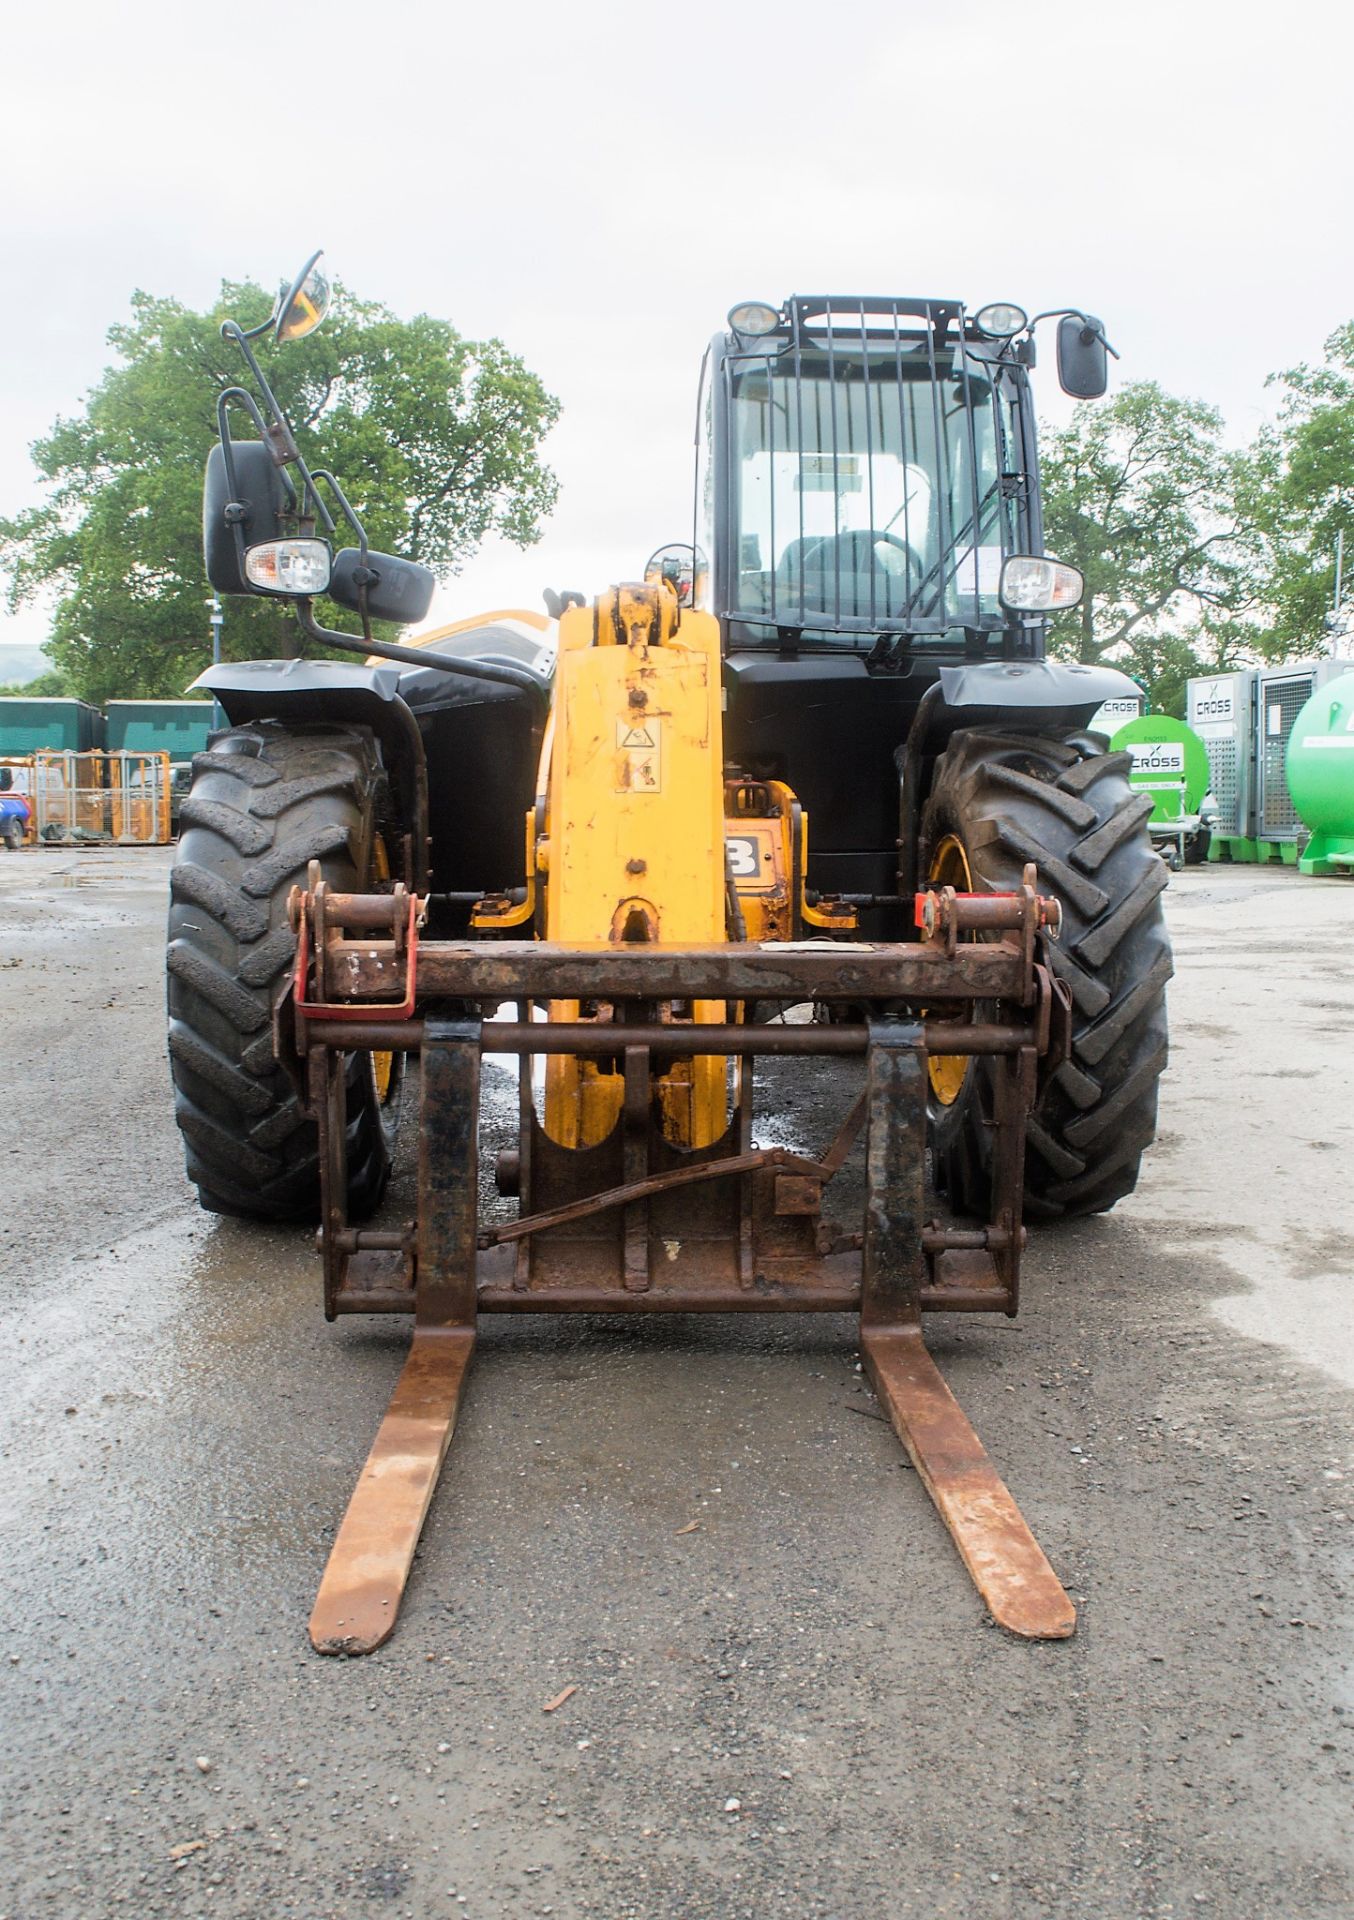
(1141, 495)
(51, 685)
(436, 439)
(1301, 496)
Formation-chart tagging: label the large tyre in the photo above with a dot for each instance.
(1066, 805)
(264, 802)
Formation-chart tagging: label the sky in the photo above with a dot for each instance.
(597, 184)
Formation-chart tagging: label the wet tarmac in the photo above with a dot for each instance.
(794, 1708)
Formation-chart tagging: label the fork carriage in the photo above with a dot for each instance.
(634, 1224)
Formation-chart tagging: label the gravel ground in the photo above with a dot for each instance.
(795, 1709)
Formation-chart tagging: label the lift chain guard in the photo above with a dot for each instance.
(635, 1225)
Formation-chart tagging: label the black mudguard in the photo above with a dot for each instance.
(300, 692)
(1043, 698)
(1040, 696)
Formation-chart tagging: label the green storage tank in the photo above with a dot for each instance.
(1320, 773)
(36, 725)
(1170, 762)
(176, 727)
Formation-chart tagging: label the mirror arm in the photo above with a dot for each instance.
(280, 439)
(346, 507)
(244, 398)
(1075, 313)
(361, 576)
(418, 657)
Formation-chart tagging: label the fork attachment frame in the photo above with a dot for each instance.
(635, 1225)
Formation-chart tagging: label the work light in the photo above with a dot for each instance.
(288, 566)
(754, 317)
(1000, 320)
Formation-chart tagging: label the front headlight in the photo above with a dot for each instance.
(1032, 585)
(289, 566)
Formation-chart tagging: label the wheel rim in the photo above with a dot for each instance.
(949, 867)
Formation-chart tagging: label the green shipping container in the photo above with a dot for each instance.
(31, 726)
(176, 727)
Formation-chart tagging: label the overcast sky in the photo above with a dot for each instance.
(597, 184)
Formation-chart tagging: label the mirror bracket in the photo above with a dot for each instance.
(282, 445)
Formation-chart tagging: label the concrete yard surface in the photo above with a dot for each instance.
(787, 1699)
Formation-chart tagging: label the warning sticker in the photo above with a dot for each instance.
(639, 764)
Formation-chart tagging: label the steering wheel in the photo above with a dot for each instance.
(855, 552)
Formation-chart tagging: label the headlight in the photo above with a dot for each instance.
(289, 566)
(1030, 585)
(1000, 320)
(754, 317)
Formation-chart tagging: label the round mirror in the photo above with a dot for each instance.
(305, 303)
(682, 568)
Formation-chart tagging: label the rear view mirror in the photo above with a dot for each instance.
(260, 494)
(680, 567)
(305, 303)
(1083, 366)
(399, 590)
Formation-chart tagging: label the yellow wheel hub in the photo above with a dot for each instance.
(949, 868)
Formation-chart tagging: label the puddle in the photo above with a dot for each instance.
(36, 871)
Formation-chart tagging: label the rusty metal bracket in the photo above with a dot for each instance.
(405, 933)
(776, 1157)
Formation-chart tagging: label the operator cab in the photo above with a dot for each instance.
(867, 469)
(867, 487)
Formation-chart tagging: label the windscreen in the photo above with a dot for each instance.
(868, 492)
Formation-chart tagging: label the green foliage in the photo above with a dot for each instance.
(435, 438)
(1141, 495)
(1301, 496)
(52, 685)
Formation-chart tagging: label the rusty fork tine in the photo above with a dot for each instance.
(359, 1598)
(1006, 1562)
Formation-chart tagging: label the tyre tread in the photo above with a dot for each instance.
(265, 802)
(1097, 1114)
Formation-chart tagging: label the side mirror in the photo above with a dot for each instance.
(1083, 364)
(678, 566)
(304, 304)
(260, 497)
(399, 590)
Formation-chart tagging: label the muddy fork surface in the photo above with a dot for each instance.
(359, 1598)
